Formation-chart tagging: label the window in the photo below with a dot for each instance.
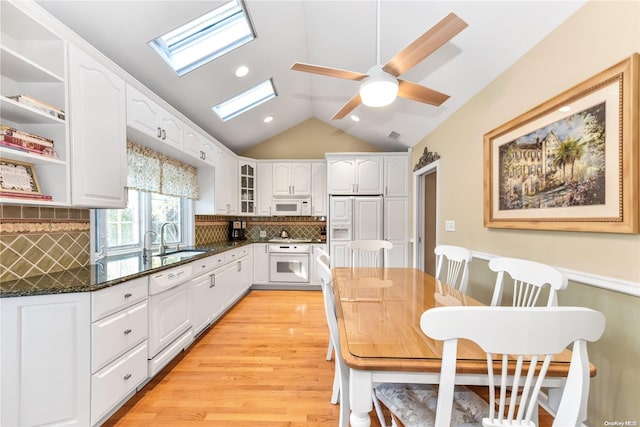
(245, 101)
(206, 38)
(121, 231)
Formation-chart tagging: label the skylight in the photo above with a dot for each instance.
(206, 38)
(245, 101)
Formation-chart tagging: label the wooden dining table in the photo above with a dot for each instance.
(379, 312)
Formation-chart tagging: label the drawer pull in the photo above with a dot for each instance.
(128, 295)
(127, 331)
(126, 377)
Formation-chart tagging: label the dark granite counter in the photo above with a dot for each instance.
(107, 272)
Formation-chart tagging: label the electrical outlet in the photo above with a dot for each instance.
(450, 225)
(263, 233)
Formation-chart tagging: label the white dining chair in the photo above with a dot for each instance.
(369, 253)
(341, 373)
(529, 278)
(324, 257)
(508, 334)
(454, 260)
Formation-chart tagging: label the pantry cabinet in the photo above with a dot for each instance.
(33, 64)
(396, 175)
(98, 133)
(46, 358)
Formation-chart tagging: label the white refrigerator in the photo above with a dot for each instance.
(352, 218)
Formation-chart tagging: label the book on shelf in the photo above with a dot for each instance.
(26, 136)
(44, 197)
(27, 147)
(39, 105)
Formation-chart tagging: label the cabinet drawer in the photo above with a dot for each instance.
(207, 264)
(235, 254)
(115, 298)
(111, 384)
(118, 333)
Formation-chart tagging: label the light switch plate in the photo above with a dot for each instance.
(263, 233)
(450, 225)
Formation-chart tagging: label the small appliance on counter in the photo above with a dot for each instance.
(237, 230)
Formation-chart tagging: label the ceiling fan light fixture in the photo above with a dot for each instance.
(379, 89)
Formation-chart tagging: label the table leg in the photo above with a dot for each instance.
(360, 387)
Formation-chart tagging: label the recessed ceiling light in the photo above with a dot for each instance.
(268, 119)
(242, 71)
(355, 118)
(564, 109)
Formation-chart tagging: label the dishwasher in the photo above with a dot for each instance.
(169, 316)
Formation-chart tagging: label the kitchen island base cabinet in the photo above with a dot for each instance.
(45, 360)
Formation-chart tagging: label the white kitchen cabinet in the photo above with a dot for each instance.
(247, 187)
(149, 121)
(361, 174)
(260, 264)
(32, 63)
(119, 333)
(98, 133)
(198, 146)
(396, 175)
(46, 358)
(226, 183)
(264, 185)
(396, 230)
(202, 301)
(292, 179)
(319, 198)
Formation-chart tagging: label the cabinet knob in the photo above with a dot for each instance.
(128, 295)
(127, 331)
(164, 134)
(126, 377)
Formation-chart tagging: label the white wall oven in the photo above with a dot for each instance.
(289, 263)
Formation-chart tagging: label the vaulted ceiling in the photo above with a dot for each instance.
(340, 34)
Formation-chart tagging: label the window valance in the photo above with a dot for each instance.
(151, 171)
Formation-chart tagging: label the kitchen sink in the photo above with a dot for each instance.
(183, 253)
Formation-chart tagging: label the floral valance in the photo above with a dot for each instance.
(154, 172)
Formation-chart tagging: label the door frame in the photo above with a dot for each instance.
(418, 210)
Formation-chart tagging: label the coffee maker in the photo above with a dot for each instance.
(237, 230)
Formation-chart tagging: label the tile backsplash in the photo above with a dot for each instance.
(38, 240)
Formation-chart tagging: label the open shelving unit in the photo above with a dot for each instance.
(33, 63)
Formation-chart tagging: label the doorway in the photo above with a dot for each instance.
(426, 217)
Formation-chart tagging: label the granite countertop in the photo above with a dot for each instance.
(107, 272)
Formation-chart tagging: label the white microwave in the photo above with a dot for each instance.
(291, 207)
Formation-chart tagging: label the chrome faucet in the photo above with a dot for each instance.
(147, 242)
(163, 246)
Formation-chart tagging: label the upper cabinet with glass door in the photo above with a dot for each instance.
(33, 101)
(247, 187)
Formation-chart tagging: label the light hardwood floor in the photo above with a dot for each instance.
(263, 364)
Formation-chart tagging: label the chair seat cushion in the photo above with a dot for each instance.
(415, 404)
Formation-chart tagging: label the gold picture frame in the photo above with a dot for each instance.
(571, 163)
(18, 178)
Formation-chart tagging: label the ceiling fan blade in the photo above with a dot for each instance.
(426, 44)
(416, 92)
(348, 107)
(328, 71)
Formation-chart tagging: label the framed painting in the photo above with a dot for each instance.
(18, 178)
(571, 163)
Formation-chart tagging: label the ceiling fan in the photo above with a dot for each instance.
(380, 85)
